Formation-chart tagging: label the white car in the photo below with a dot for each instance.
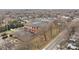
(71, 46)
(72, 39)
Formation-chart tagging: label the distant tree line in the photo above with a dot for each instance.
(12, 25)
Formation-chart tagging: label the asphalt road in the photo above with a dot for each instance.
(52, 45)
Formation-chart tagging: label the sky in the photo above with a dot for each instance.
(39, 4)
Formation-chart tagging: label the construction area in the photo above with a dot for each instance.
(34, 35)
